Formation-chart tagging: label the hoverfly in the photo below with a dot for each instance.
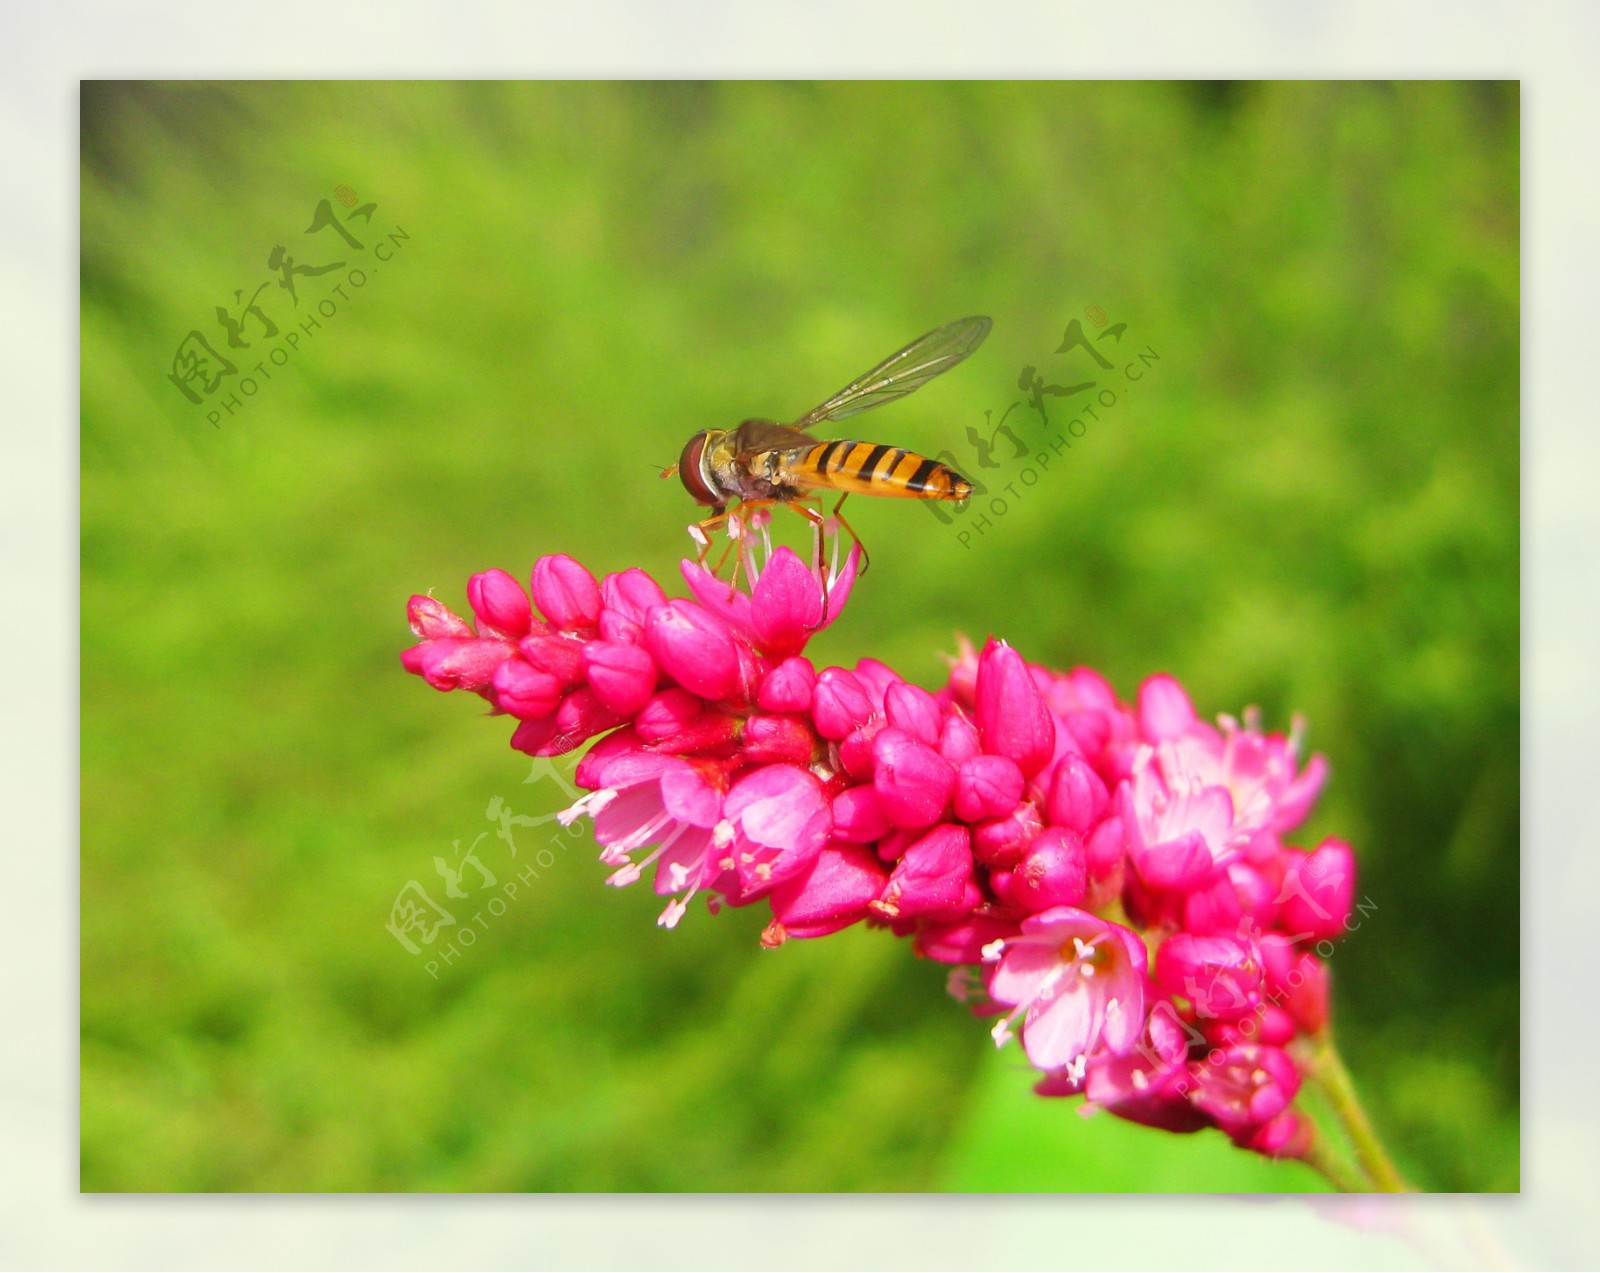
(763, 463)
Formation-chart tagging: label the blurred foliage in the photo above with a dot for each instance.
(1309, 502)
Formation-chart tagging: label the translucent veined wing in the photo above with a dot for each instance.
(903, 372)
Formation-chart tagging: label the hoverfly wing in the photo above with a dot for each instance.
(754, 436)
(903, 372)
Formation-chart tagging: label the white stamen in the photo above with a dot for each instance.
(1001, 1033)
(992, 951)
(586, 806)
(669, 918)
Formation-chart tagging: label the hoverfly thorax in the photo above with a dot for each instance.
(696, 471)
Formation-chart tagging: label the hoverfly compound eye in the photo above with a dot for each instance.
(692, 469)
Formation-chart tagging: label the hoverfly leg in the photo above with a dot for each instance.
(818, 541)
(866, 560)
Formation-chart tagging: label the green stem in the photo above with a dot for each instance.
(1338, 1172)
(1328, 1072)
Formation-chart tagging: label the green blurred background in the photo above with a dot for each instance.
(1309, 502)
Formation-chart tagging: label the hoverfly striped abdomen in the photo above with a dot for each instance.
(873, 469)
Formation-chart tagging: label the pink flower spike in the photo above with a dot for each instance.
(695, 649)
(524, 691)
(987, 787)
(1013, 718)
(500, 604)
(431, 619)
(788, 687)
(1165, 712)
(566, 593)
(914, 782)
(622, 676)
(836, 892)
(1078, 983)
(786, 605)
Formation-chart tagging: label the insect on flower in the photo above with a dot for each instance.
(762, 463)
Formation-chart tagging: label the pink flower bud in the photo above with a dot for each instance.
(788, 687)
(1220, 976)
(858, 817)
(855, 752)
(1307, 984)
(666, 714)
(631, 593)
(1318, 889)
(1165, 711)
(767, 739)
(1053, 872)
(525, 692)
(914, 782)
(962, 941)
(457, 663)
(552, 652)
(1078, 799)
(694, 649)
(1287, 1136)
(987, 787)
(1214, 908)
(835, 893)
(1013, 718)
(578, 718)
(786, 604)
(676, 721)
(933, 878)
(1243, 1088)
(431, 619)
(839, 703)
(958, 739)
(500, 604)
(1001, 842)
(877, 679)
(623, 677)
(566, 593)
(913, 709)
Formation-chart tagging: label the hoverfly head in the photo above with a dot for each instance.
(694, 468)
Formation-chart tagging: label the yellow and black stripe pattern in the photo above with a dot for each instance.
(867, 468)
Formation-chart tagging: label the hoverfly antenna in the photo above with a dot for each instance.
(670, 471)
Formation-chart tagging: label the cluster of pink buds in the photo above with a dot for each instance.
(1109, 882)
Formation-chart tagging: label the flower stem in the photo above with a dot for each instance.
(1338, 1171)
(1328, 1072)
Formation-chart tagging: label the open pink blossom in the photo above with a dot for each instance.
(1077, 982)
